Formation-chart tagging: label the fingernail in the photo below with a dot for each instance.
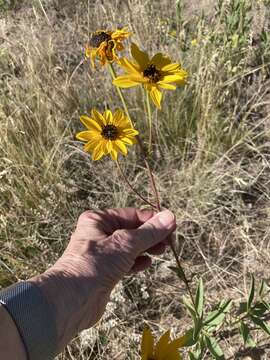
(166, 218)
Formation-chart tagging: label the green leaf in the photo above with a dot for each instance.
(197, 329)
(197, 353)
(251, 293)
(259, 309)
(189, 341)
(242, 308)
(216, 317)
(214, 348)
(248, 341)
(189, 306)
(193, 356)
(199, 298)
(262, 324)
(263, 288)
(178, 272)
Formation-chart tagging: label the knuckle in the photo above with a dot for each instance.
(121, 237)
(90, 215)
(85, 215)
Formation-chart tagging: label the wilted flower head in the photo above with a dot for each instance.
(165, 349)
(154, 73)
(107, 134)
(103, 45)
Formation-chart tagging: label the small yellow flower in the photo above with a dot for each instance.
(194, 42)
(107, 133)
(165, 349)
(103, 45)
(154, 74)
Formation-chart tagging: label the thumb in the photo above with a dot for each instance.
(152, 232)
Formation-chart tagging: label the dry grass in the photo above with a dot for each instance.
(211, 158)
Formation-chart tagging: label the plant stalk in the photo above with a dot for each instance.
(151, 179)
(149, 116)
(132, 188)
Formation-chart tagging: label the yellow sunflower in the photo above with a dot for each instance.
(107, 133)
(154, 74)
(103, 45)
(165, 349)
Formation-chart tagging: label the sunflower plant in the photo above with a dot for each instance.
(112, 133)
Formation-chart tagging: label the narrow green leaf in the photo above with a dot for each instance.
(244, 330)
(216, 317)
(266, 304)
(263, 288)
(193, 356)
(214, 348)
(259, 309)
(197, 329)
(199, 298)
(189, 306)
(197, 353)
(251, 293)
(262, 324)
(189, 341)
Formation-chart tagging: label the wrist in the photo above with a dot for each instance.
(74, 306)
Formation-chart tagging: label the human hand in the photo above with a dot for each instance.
(105, 246)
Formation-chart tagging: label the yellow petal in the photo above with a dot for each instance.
(162, 345)
(90, 146)
(125, 82)
(164, 85)
(178, 77)
(171, 67)
(171, 351)
(114, 154)
(118, 117)
(141, 57)
(91, 124)
(172, 78)
(130, 132)
(128, 140)
(129, 66)
(109, 146)
(160, 60)
(98, 152)
(118, 145)
(84, 135)
(147, 346)
(172, 356)
(156, 96)
(108, 116)
(98, 117)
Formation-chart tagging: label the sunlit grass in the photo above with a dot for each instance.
(211, 158)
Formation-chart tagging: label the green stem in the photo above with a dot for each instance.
(132, 188)
(151, 178)
(149, 116)
(113, 75)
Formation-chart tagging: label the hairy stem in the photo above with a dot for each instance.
(152, 181)
(149, 116)
(132, 188)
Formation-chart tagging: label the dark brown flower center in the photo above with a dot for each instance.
(98, 37)
(152, 73)
(110, 132)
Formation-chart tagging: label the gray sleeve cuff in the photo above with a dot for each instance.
(34, 318)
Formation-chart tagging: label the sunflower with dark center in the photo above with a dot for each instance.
(107, 134)
(155, 74)
(104, 45)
